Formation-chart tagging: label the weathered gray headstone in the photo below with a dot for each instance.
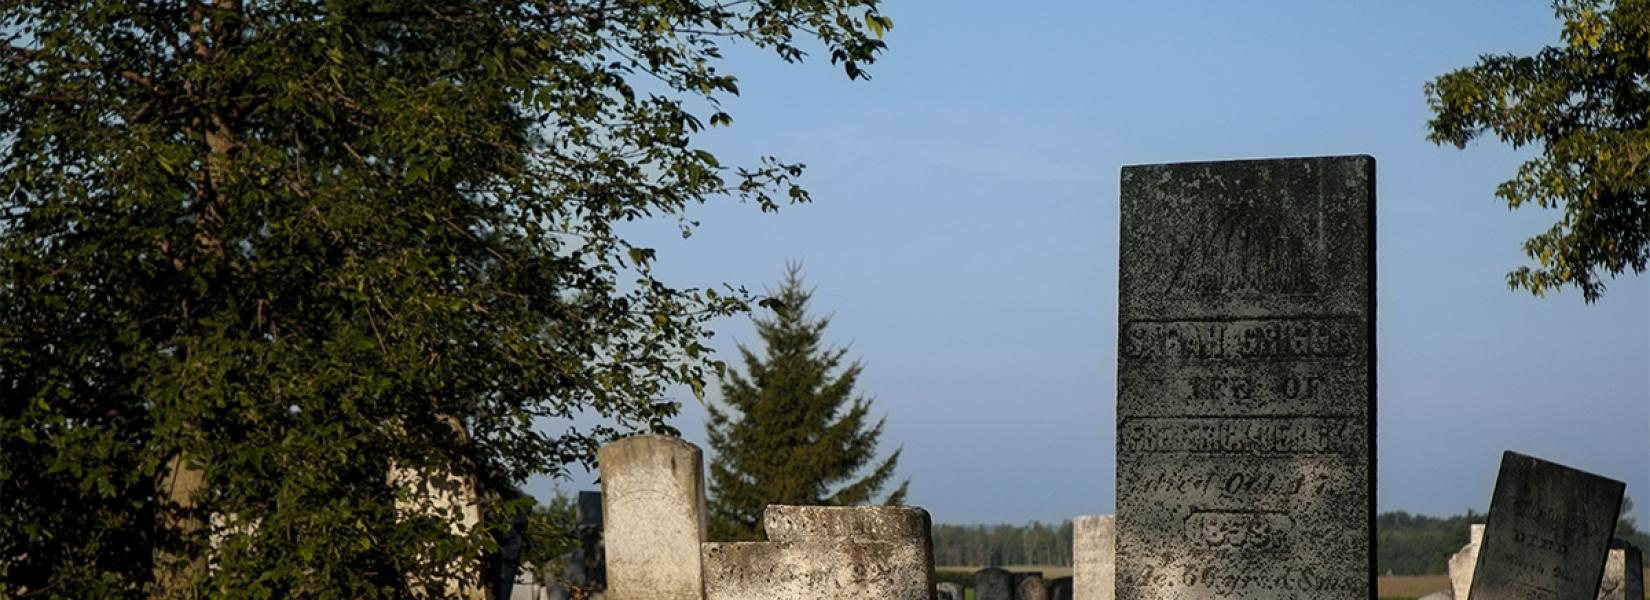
(827, 552)
(1246, 389)
(948, 591)
(992, 583)
(1094, 554)
(653, 507)
(1031, 587)
(1061, 588)
(1548, 532)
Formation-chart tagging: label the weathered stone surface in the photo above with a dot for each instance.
(1463, 562)
(1094, 554)
(1623, 570)
(1061, 588)
(827, 552)
(816, 569)
(846, 523)
(1631, 566)
(1548, 532)
(1245, 383)
(948, 591)
(653, 506)
(1623, 573)
(1031, 587)
(992, 583)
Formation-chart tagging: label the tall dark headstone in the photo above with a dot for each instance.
(1548, 532)
(1245, 380)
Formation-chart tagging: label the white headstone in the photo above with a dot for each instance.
(653, 506)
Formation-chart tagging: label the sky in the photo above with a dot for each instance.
(964, 238)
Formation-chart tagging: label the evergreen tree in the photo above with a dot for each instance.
(792, 430)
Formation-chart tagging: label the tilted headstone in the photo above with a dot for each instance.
(1094, 554)
(1548, 532)
(653, 507)
(992, 583)
(1031, 587)
(827, 552)
(1623, 569)
(1245, 384)
(946, 590)
(1061, 588)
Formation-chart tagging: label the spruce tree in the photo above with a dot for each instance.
(792, 430)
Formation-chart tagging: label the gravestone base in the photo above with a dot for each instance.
(827, 552)
(815, 569)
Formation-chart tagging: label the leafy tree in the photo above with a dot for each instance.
(1586, 105)
(792, 430)
(256, 256)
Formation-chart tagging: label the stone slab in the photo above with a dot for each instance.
(785, 523)
(1246, 389)
(653, 507)
(948, 591)
(1548, 532)
(816, 569)
(992, 583)
(1094, 555)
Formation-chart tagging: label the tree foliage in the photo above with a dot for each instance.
(1586, 105)
(284, 246)
(792, 430)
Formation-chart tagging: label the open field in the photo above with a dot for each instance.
(1397, 587)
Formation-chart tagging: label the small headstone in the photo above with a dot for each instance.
(1031, 587)
(1061, 588)
(1094, 552)
(1623, 573)
(827, 552)
(992, 583)
(946, 590)
(653, 507)
(1245, 381)
(1548, 532)
(588, 510)
(1439, 595)
(1463, 562)
(587, 564)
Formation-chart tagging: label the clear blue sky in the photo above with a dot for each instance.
(964, 237)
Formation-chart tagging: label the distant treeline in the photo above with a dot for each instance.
(988, 545)
(1406, 544)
